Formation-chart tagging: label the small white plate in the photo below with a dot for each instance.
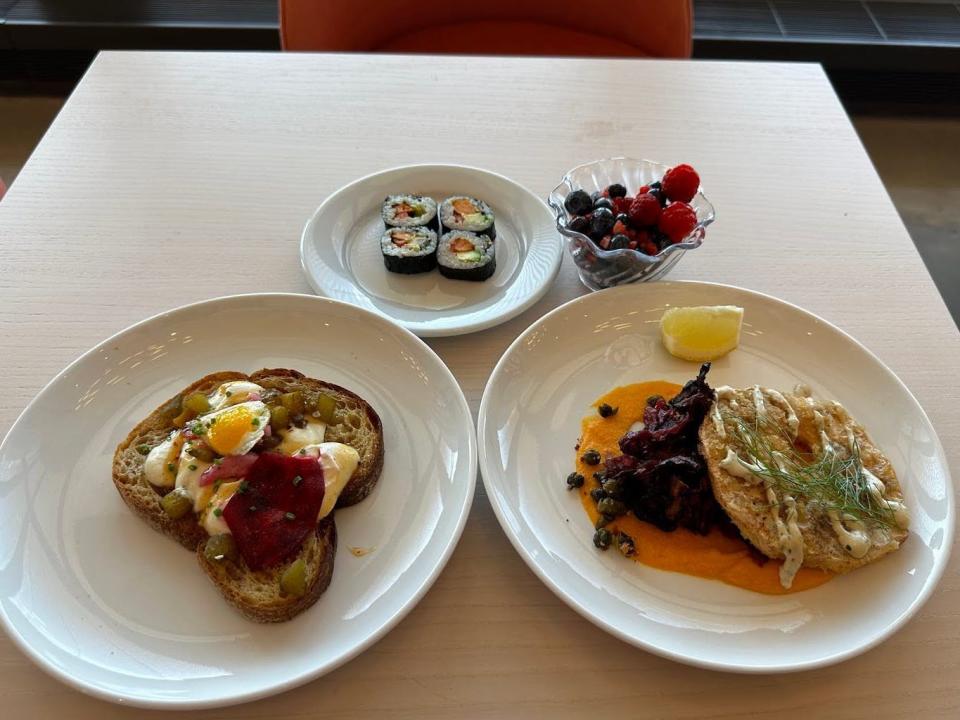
(104, 603)
(340, 252)
(530, 419)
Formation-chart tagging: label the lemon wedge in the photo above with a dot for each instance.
(701, 333)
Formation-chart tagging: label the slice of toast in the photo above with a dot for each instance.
(256, 594)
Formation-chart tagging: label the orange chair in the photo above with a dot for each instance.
(612, 28)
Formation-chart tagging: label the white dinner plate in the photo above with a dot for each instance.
(101, 601)
(340, 252)
(530, 419)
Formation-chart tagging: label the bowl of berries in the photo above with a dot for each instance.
(629, 220)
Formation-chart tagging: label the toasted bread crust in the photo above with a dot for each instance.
(257, 594)
(358, 422)
(747, 506)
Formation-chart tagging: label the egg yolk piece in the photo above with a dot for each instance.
(236, 429)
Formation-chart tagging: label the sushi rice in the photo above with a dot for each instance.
(463, 255)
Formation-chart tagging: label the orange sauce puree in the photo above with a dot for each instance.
(714, 555)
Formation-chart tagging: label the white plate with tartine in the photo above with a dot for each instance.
(530, 420)
(340, 252)
(103, 602)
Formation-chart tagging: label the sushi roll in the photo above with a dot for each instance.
(461, 212)
(409, 250)
(464, 255)
(409, 211)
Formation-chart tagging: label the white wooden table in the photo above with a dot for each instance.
(162, 164)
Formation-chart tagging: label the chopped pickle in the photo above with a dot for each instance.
(220, 547)
(176, 504)
(202, 452)
(293, 582)
(279, 418)
(197, 402)
(172, 407)
(183, 418)
(293, 401)
(325, 408)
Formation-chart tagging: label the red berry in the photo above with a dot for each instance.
(677, 221)
(680, 183)
(622, 204)
(649, 247)
(645, 209)
(619, 228)
(605, 242)
(643, 189)
(632, 245)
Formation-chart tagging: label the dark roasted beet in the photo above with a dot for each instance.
(663, 476)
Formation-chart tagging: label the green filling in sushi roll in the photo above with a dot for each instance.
(462, 212)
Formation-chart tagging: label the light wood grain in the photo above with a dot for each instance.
(161, 165)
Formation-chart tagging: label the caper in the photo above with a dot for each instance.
(143, 449)
(201, 452)
(625, 545)
(176, 504)
(605, 411)
(602, 538)
(574, 480)
(591, 457)
(611, 507)
(197, 402)
(220, 547)
(598, 494)
(613, 487)
(279, 418)
(603, 520)
(600, 476)
(293, 582)
(325, 408)
(293, 401)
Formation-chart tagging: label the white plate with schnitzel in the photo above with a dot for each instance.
(552, 376)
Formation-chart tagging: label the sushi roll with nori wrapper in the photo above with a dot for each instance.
(461, 212)
(409, 250)
(463, 255)
(407, 211)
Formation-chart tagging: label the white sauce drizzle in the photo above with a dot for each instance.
(876, 488)
(738, 467)
(725, 392)
(855, 540)
(758, 402)
(778, 400)
(717, 419)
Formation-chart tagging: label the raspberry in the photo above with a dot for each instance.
(605, 242)
(649, 248)
(643, 189)
(622, 204)
(681, 183)
(619, 228)
(677, 221)
(645, 209)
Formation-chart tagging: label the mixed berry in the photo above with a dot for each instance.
(657, 216)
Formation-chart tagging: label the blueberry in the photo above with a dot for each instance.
(595, 195)
(602, 222)
(619, 242)
(578, 203)
(617, 190)
(603, 203)
(657, 192)
(579, 224)
(623, 218)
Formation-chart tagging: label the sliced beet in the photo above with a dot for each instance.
(276, 509)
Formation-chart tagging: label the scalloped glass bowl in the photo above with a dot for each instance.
(601, 268)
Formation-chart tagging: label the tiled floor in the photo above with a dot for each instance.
(919, 161)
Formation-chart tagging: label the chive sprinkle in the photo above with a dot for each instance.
(143, 449)
(218, 512)
(290, 516)
(192, 466)
(171, 467)
(297, 480)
